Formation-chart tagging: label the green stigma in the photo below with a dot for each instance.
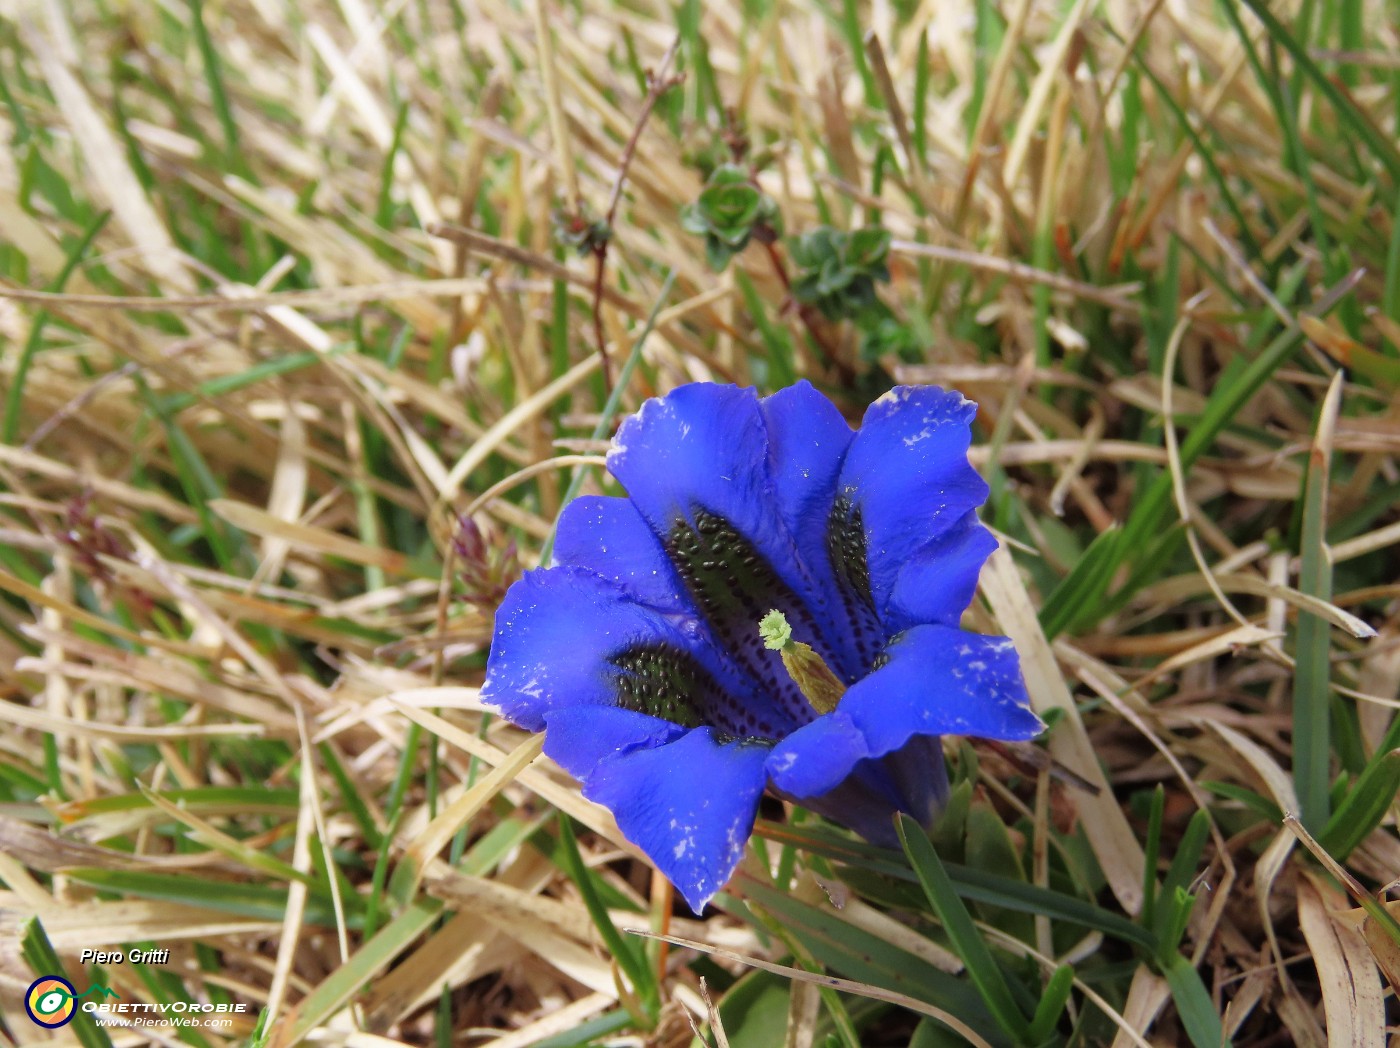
(774, 630)
(813, 677)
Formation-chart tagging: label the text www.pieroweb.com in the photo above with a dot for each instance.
(185, 1014)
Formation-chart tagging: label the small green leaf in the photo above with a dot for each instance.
(728, 175)
(717, 253)
(730, 209)
(869, 247)
(693, 219)
(755, 1010)
(1194, 1005)
(1051, 1006)
(1188, 853)
(837, 273)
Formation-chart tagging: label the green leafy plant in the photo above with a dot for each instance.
(837, 275)
(730, 211)
(838, 271)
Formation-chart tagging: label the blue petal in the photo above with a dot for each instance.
(706, 446)
(815, 759)
(580, 738)
(698, 459)
(702, 445)
(908, 476)
(918, 775)
(807, 441)
(861, 802)
(609, 537)
(689, 806)
(938, 681)
(938, 582)
(912, 779)
(555, 631)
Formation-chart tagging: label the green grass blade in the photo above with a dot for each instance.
(335, 991)
(213, 74)
(972, 885)
(1312, 687)
(1051, 1006)
(350, 794)
(1151, 851)
(201, 800)
(1355, 121)
(1188, 853)
(629, 956)
(1089, 576)
(967, 941)
(197, 480)
(865, 957)
(591, 1032)
(14, 396)
(1149, 511)
(1194, 1005)
(259, 901)
(264, 369)
(854, 32)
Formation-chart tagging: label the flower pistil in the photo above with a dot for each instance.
(808, 670)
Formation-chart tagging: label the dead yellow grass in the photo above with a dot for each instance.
(324, 316)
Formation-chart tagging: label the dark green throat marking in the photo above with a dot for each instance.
(733, 586)
(847, 551)
(662, 682)
(845, 545)
(724, 573)
(671, 684)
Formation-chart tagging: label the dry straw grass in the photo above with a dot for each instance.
(325, 312)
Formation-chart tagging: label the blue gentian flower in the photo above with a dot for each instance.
(639, 651)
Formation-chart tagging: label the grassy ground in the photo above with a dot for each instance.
(287, 289)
